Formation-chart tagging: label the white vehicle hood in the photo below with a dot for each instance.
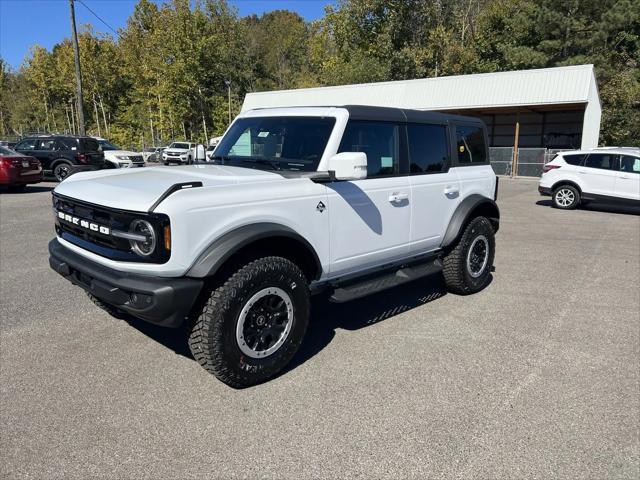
(138, 189)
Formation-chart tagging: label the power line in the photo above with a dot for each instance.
(98, 17)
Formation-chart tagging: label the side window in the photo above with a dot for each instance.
(29, 144)
(603, 161)
(574, 160)
(47, 144)
(471, 146)
(428, 148)
(379, 140)
(629, 164)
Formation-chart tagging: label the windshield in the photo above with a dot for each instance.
(276, 143)
(7, 152)
(106, 145)
(184, 146)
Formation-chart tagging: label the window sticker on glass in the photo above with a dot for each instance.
(461, 148)
(386, 162)
(263, 134)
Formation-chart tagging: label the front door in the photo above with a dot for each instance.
(370, 220)
(628, 179)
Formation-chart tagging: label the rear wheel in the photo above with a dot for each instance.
(566, 197)
(467, 268)
(62, 170)
(248, 329)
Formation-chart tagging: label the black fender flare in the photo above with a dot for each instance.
(465, 212)
(221, 249)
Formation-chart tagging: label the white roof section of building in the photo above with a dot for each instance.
(485, 90)
(546, 86)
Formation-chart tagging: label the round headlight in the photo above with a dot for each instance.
(144, 228)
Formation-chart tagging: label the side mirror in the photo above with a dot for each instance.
(349, 165)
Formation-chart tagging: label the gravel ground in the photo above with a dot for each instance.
(537, 376)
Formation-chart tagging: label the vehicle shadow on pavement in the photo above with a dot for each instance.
(600, 207)
(326, 317)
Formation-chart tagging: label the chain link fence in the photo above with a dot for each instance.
(529, 164)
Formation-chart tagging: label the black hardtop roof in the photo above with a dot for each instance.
(56, 135)
(367, 112)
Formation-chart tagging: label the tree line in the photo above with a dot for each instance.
(163, 76)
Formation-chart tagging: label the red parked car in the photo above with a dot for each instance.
(17, 170)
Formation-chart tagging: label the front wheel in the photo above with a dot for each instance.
(566, 197)
(467, 268)
(248, 329)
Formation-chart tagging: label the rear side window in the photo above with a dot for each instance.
(89, 145)
(379, 140)
(574, 159)
(471, 146)
(603, 161)
(629, 164)
(67, 143)
(428, 148)
(29, 144)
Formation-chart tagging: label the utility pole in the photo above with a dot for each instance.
(76, 54)
(228, 84)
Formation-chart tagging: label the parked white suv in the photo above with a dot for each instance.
(118, 158)
(179, 152)
(347, 200)
(580, 176)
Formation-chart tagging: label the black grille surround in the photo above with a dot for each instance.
(106, 244)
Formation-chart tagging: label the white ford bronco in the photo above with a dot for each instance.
(344, 200)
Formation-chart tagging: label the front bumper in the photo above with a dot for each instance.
(159, 300)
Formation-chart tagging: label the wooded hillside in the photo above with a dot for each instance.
(163, 76)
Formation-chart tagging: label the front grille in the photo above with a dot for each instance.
(136, 159)
(106, 220)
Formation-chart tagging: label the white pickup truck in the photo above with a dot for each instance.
(346, 200)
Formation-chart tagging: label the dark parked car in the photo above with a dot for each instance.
(63, 155)
(16, 170)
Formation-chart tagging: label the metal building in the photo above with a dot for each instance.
(527, 112)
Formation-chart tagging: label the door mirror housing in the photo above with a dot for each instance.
(349, 165)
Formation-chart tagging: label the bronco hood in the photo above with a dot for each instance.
(139, 189)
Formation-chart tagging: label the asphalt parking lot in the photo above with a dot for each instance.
(538, 376)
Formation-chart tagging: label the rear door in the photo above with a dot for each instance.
(627, 183)
(45, 151)
(435, 188)
(598, 174)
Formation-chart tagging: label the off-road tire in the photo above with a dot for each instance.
(110, 309)
(457, 276)
(567, 190)
(212, 333)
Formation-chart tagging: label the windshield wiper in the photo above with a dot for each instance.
(275, 164)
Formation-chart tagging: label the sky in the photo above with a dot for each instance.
(24, 23)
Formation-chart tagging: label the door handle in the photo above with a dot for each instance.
(581, 171)
(398, 197)
(450, 190)
(624, 177)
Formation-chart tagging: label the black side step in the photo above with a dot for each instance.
(358, 289)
